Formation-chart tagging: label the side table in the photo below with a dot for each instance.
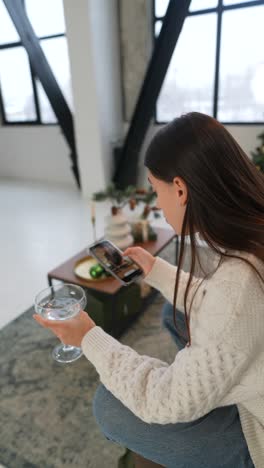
(113, 306)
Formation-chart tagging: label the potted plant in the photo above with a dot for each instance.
(258, 154)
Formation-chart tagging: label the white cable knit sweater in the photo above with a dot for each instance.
(223, 366)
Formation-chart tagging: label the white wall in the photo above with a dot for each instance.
(246, 136)
(35, 153)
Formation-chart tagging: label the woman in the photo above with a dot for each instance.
(206, 409)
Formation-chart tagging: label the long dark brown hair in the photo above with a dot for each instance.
(225, 190)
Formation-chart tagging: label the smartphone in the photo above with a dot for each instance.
(111, 258)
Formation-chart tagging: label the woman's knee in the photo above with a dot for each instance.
(167, 313)
(178, 334)
(102, 405)
(108, 412)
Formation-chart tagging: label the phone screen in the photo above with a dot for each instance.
(111, 258)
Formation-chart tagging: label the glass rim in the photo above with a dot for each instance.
(61, 284)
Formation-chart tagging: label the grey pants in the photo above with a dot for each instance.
(212, 441)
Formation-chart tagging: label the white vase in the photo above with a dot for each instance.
(118, 230)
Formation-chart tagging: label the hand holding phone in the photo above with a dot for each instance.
(142, 257)
(113, 260)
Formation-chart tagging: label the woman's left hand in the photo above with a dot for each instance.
(70, 332)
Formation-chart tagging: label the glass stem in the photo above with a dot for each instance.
(66, 346)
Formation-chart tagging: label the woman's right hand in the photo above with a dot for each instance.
(143, 258)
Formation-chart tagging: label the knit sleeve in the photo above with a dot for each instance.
(163, 277)
(201, 378)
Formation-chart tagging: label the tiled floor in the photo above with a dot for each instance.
(41, 226)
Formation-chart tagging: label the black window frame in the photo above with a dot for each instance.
(219, 10)
(3, 120)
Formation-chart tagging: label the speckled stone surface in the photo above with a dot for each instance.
(46, 407)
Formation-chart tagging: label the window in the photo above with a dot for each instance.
(24, 100)
(218, 63)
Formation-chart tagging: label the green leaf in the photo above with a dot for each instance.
(99, 196)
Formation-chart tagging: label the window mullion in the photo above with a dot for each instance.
(33, 80)
(35, 93)
(51, 36)
(2, 108)
(217, 56)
